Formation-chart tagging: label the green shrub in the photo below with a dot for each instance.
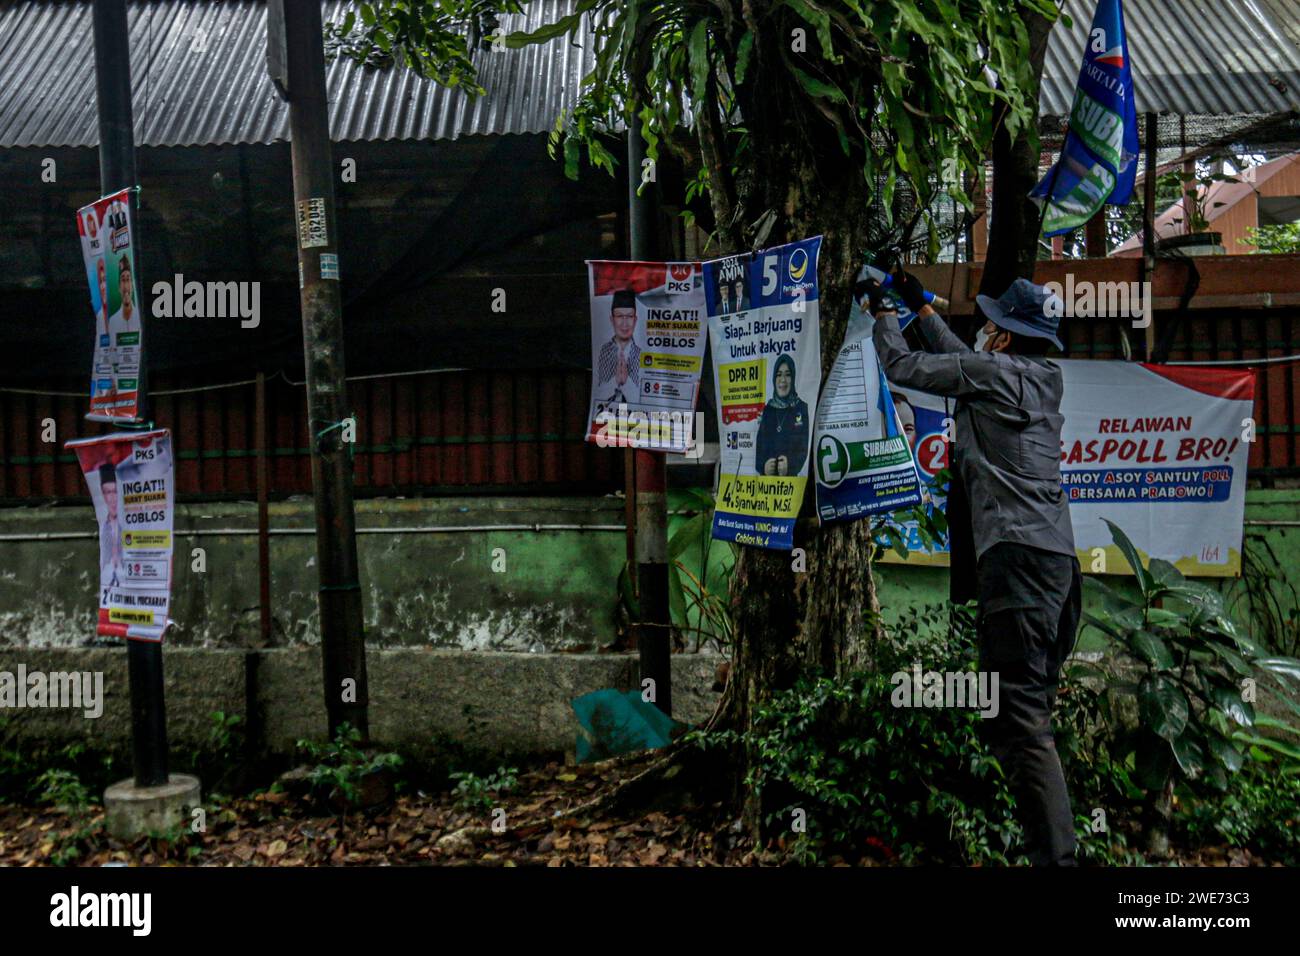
(23, 763)
(64, 790)
(1261, 812)
(480, 794)
(1196, 676)
(341, 766)
(911, 785)
(1105, 798)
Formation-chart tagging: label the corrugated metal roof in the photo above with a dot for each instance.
(199, 77)
(1190, 57)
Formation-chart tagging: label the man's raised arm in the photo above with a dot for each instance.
(934, 331)
(955, 374)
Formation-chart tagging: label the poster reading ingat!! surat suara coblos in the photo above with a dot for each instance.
(130, 478)
(647, 350)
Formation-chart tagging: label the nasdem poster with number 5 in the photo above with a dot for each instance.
(763, 327)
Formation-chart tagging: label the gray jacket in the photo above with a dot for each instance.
(1008, 431)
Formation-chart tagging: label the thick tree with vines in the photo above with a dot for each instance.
(800, 118)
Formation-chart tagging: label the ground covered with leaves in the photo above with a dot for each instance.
(839, 768)
(536, 822)
(544, 817)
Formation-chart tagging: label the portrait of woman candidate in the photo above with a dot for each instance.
(782, 443)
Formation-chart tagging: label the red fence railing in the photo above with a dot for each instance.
(431, 433)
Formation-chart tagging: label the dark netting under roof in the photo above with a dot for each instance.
(1264, 137)
(1222, 76)
(1271, 135)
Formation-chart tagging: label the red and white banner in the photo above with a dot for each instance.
(647, 351)
(131, 482)
(108, 250)
(1160, 450)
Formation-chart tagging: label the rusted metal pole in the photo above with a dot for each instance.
(629, 519)
(263, 514)
(117, 171)
(1149, 230)
(343, 649)
(654, 642)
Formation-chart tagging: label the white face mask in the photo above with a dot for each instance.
(981, 340)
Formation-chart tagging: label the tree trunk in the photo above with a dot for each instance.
(1013, 228)
(799, 614)
(1160, 812)
(790, 624)
(1012, 254)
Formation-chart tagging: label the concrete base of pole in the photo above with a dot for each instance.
(131, 811)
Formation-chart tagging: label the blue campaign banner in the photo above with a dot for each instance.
(1189, 485)
(861, 452)
(1098, 162)
(763, 331)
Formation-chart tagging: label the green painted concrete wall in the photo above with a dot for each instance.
(1272, 538)
(511, 574)
(490, 575)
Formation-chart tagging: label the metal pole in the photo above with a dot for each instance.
(263, 515)
(117, 171)
(1149, 230)
(343, 650)
(654, 642)
(629, 519)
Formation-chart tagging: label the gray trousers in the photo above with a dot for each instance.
(1029, 617)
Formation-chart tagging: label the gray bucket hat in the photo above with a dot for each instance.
(1022, 309)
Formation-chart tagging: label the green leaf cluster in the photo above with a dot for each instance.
(1195, 678)
(435, 38)
(906, 90)
(341, 765)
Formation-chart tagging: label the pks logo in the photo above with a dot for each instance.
(680, 278)
(797, 267)
(142, 454)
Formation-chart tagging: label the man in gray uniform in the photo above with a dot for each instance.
(1007, 453)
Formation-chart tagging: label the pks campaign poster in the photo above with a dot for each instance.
(108, 251)
(763, 327)
(647, 350)
(130, 478)
(862, 456)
